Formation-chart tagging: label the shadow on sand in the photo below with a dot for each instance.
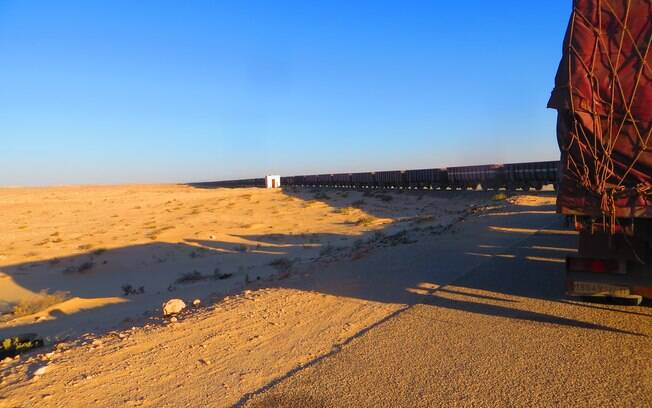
(480, 269)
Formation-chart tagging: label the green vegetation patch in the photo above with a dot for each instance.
(12, 346)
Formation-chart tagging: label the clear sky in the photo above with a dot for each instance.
(173, 91)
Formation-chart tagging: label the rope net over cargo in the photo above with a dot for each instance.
(603, 95)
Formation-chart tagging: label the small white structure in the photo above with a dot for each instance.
(273, 181)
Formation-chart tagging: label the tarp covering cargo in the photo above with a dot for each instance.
(603, 95)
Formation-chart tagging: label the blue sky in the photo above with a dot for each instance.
(163, 91)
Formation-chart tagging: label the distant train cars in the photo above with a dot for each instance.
(531, 175)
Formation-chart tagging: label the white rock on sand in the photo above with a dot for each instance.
(173, 306)
(40, 371)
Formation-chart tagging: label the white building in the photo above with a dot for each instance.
(273, 181)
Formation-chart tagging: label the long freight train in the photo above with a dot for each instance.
(533, 175)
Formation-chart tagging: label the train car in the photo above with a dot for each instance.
(420, 178)
(488, 176)
(311, 180)
(363, 179)
(426, 178)
(287, 180)
(531, 175)
(392, 178)
(254, 182)
(325, 180)
(342, 180)
(440, 179)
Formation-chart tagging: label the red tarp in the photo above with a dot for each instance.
(603, 95)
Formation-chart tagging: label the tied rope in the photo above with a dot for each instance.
(596, 144)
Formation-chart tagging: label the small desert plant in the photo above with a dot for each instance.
(190, 277)
(127, 290)
(358, 203)
(41, 243)
(12, 346)
(322, 196)
(218, 275)
(365, 221)
(86, 266)
(282, 264)
(385, 197)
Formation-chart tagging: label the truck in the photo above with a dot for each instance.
(603, 98)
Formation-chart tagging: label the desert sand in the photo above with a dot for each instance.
(90, 266)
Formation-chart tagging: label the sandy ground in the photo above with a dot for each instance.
(90, 242)
(499, 334)
(382, 299)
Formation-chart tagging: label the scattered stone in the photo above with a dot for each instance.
(205, 362)
(196, 302)
(173, 306)
(46, 396)
(173, 319)
(211, 237)
(97, 343)
(40, 371)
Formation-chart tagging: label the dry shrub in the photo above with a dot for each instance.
(190, 277)
(282, 264)
(365, 221)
